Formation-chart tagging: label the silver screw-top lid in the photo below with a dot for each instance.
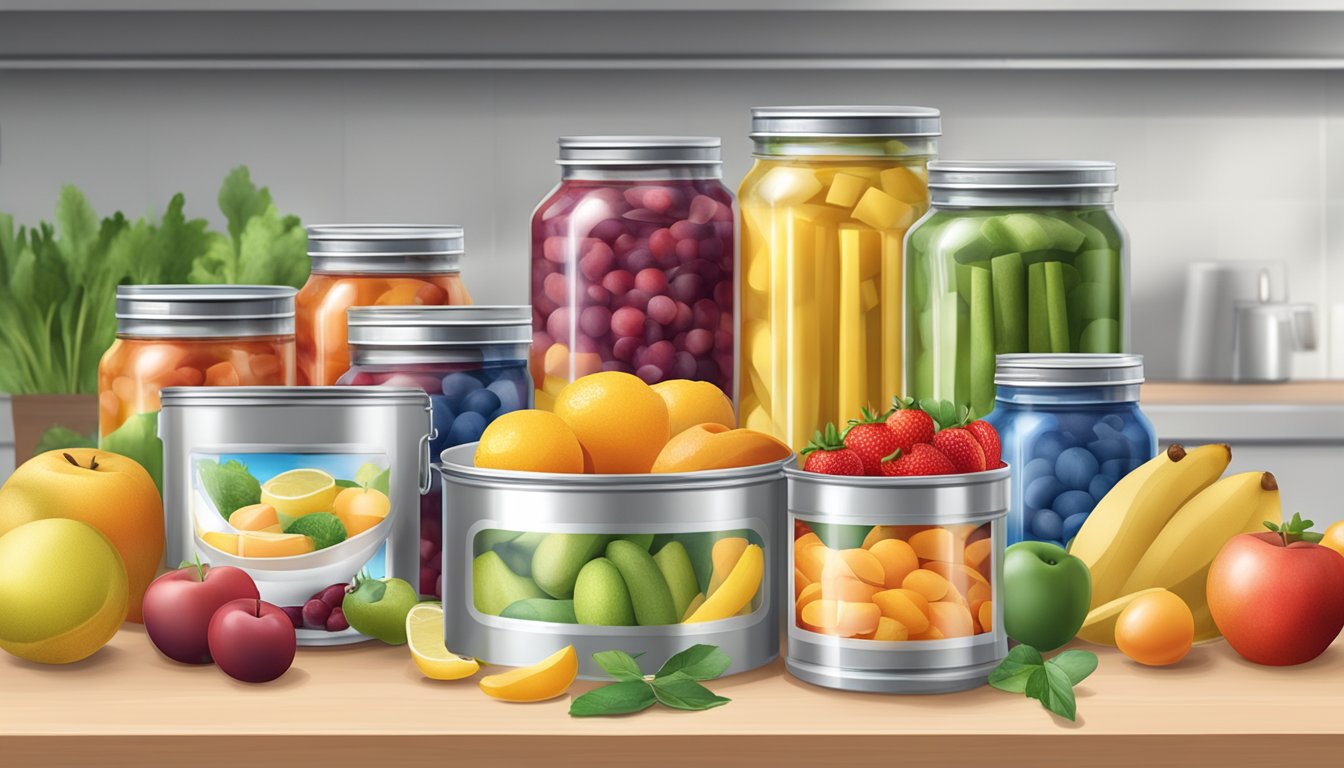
(639, 150)
(799, 122)
(1019, 182)
(409, 334)
(1068, 370)
(204, 311)
(385, 249)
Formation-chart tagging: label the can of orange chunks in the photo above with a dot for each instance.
(302, 487)
(896, 582)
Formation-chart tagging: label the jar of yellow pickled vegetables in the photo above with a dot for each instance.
(825, 209)
(361, 265)
(187, 336)
(1014, 256)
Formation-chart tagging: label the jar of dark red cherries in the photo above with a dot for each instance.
(632, 264)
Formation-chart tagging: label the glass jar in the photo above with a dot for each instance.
(187, 335)
(472, 361)
(632, 264)
(1071, 427)
(359, 265)
(1013, 257)
(824, 212)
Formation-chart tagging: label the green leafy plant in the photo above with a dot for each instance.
(58, 280)
(1050, 681)
(1296, 529)
(676, 684)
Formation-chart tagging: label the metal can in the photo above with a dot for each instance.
(534, 562)
(302, 487)
(897, 581)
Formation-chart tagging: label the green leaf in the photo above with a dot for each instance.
(229, 485)
(616, 699)
(1059, 698)
(1077, 665)
(77, 224)
(240, 201)
(619, 665)
(57, 437)
(680, 691)
(699, 662)
(1016, 668)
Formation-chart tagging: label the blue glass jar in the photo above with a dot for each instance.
(1071, 427)
(471, 360)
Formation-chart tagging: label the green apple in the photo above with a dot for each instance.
(1046, 594)
(378, 608)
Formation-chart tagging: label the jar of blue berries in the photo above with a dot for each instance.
(1071, 427)
(471, 360)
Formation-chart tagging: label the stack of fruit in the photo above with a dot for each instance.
(906, 441)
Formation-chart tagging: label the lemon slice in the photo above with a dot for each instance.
(546, 679)
(300, 492)
(424, 635)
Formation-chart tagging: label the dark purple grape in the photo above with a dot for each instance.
(315, 613)
(336, 621)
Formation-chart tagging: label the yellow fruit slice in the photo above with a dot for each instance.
(1099, 626)
(546, 679)
(424, 635)
(224, 542)
(256, 517)
(737, 590)
(257, 544)
(300, 492)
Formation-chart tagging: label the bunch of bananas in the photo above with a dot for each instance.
(1160, 528)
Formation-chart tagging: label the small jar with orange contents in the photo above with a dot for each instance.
(363, 265)
(896, 585)
(187, 335)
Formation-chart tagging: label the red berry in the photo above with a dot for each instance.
(909, 424)
(827, 455)
(922, 460)
(959, 445)
(869, 437)
(988, 437)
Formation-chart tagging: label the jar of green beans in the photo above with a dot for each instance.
(1012, 257)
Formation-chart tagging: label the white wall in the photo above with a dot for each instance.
(1213, 164)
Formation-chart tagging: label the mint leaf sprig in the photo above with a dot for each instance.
(1049, 681)
(1296, 529)
(676, 684)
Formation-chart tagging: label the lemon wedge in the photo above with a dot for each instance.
(546, 679)
(424, 635)
(300, 492)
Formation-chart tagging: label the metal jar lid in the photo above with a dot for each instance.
(288, 397)
(204, 311)
(639, 150)
(1068, 370)
(385, 249)
(1021, 182)
(801, 122)
(411, 334)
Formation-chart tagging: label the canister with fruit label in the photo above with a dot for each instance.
(1071, 427)
(896, 581)
(825, 209)
(470, 360)
(187, 335)
(365, 265)
(1014, 256)
(302, 487)
(649, 564)
(633, 258)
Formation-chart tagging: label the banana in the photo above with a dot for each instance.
(1180, 557)
(1129, 518)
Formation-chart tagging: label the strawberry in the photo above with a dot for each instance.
(869, 437)
(988, 437)
(961, 447)
(827, 455)
(922, 459)
(909, 424)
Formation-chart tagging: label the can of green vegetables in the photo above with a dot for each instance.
(302, 487)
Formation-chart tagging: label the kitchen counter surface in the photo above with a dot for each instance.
(368, 705)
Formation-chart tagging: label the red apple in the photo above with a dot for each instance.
(252, 640)
(179, 604)
(1277, 602)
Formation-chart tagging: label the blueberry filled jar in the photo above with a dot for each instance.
(1071, 427)
(471, 360)
(632, 264)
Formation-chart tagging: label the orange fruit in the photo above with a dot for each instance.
(530, 441)
(1155, 629)
(620, 421)
(715, 446)
(1334, 537)
(694, 402)
(546, 679)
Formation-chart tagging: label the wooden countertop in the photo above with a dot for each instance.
(1199, 393)
(368, 705)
